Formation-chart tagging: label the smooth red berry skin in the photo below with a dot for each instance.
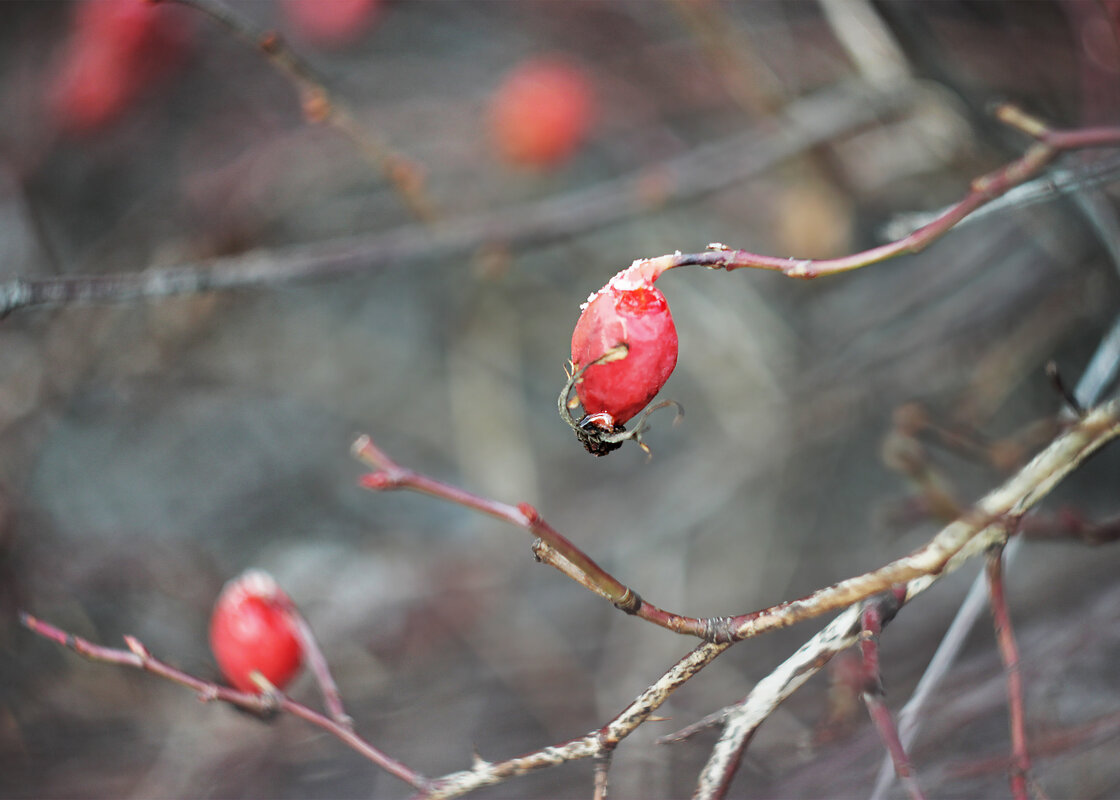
(629, 310)
(254, 627)
(542, 113)
(115, 51)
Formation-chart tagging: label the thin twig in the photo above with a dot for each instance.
(1048, 145)
(596, 744)
(321, 106)
(983, 525)
(1057, 182)
(874, 617)
(1070, 525)
(555, 549)
(1099, 374)
(317, 662)
(137, 656)
(1009, 653)
(742, 719)
(1027, 487)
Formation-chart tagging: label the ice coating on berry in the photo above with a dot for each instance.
(629, 310)
(254, 628)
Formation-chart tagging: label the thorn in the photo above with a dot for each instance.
(1063, 391)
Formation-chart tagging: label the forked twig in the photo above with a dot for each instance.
(138, 657)
(598, 743)
(1037, 478)
(987, 523)
(553, 548)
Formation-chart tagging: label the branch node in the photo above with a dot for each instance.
(719, 630)
(137, 648)
(630, 602)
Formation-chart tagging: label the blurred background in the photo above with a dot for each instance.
(153, 449)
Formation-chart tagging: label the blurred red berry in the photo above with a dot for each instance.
(254, 628)
(115, 50)
(542, 112)
(92, 87)
(629, 310)
(330, 23)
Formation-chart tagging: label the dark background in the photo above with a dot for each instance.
(150, 451)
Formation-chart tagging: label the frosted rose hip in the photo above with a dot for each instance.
(629, 310)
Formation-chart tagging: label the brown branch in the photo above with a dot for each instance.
(1052, 743)
(321, 106)
(1009, 654)
(138, 657)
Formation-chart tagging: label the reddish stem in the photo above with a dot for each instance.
(875, 615)
(1049, 144)
(579, 566)
(1009, 653)
(137, 656)
(317, 662)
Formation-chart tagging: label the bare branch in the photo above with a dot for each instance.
(317, 662)
(974, 532)
(742, 719)
(804, 124)
(1027, 487)
(596, 744)
(553, 548)
(137, 656)
(985, 524)
(1048, 146)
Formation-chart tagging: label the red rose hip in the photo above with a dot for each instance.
(628, 311)
(541, 113)
(255, 628)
